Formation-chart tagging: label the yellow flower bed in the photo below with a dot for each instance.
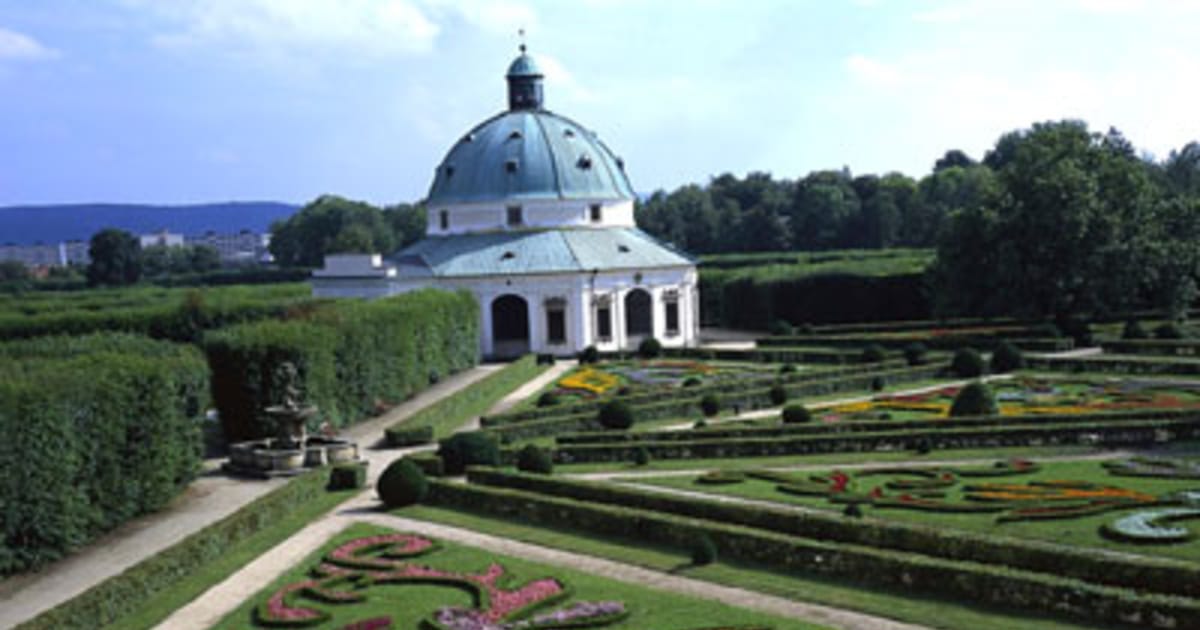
(590, 380)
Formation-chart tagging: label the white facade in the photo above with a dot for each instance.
(582, 298)
(468, 218)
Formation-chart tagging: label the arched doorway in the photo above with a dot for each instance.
(639, 319)
(510, 326)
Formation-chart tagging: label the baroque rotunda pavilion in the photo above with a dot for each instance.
(533, 214)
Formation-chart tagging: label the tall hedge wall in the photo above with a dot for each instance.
(753, 303)
(92, 440)
(351, 357)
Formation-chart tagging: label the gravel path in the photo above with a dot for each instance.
(207, 500)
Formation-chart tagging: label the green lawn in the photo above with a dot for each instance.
(1080, 532)
(408, 604)
(894, 604)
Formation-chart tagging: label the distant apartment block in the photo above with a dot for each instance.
(235, 249)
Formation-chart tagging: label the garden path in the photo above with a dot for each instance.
(227, 596)
(209, 499)
(634, 475)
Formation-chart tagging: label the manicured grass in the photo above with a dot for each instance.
(185, 590)
(832, 459)
(1076, 532)
(894, 604)
(408, 604)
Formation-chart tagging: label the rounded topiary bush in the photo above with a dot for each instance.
(534, 459)
(778, 394)
(852, 510)
(782, 328)
(873, 353)
(976, 399)
(878, 383)
(401, 484)
(787, 368)
(914, 353)
(547, 399)
(796, 414)
(641, 456)
(967, 363)
(704, 550)
(1133, 330)
(589, 355)
(700, 424)
(1007, 358)
(468, 449)
(650, 348)
(691, 381)
(710, 405)
(616, 415)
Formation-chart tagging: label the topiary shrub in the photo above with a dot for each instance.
(796, 414)
(805, 329)
(781, 328)
(616, 415)
(534, 459)
(547, 399)
(704, 551)
(1169, 330)
(589, 355)
(873, 353)
(641, 456)
(402, 484)
(778, 394)
(1077, 329)
(347, 477)
(852, 510)
(710, 405)
(924, 446)
(914, 353)
(650, 348)
(976, 399)
(691, 381)
(967, 363)
(700, 424)
(787, 368)
(473, 448)
(878, 383)
(1007, 358)
(1133, 330)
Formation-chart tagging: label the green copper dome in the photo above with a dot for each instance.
(528, 153)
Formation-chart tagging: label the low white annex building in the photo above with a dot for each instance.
(532, 213)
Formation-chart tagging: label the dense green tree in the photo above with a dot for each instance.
(407, 221)
(824, 203)
(116, 258)
(1069, 230)
(162, 260)
(328, 225)
(13, 271)
(1182, 170)
(953, 158)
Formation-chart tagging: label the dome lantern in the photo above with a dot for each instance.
(524, 83)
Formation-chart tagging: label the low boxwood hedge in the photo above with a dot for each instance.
(1119, 364)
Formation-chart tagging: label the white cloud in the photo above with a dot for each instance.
(18, 46)
(497, 17)
(371, 27)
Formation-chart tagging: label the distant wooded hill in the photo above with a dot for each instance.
(24, 225)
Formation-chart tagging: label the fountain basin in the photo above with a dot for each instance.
(269, 458)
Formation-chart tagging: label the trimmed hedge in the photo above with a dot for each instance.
(1046, 592)
(173, 314)
(1167, 347)
(1123, 364)
(1141, 572)
(352, 357)
(464, 404)
(109, 432)
(1128, 433)
(733, 431)
(121, 595)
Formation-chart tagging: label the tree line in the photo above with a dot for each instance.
(1054, 220)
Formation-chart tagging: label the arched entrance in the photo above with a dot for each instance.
(639, 319)
(510, 326)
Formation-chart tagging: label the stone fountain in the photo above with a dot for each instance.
(291, 450)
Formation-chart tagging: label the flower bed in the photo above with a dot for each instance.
(353, 568)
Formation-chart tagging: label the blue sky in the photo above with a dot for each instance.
(179, 101)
